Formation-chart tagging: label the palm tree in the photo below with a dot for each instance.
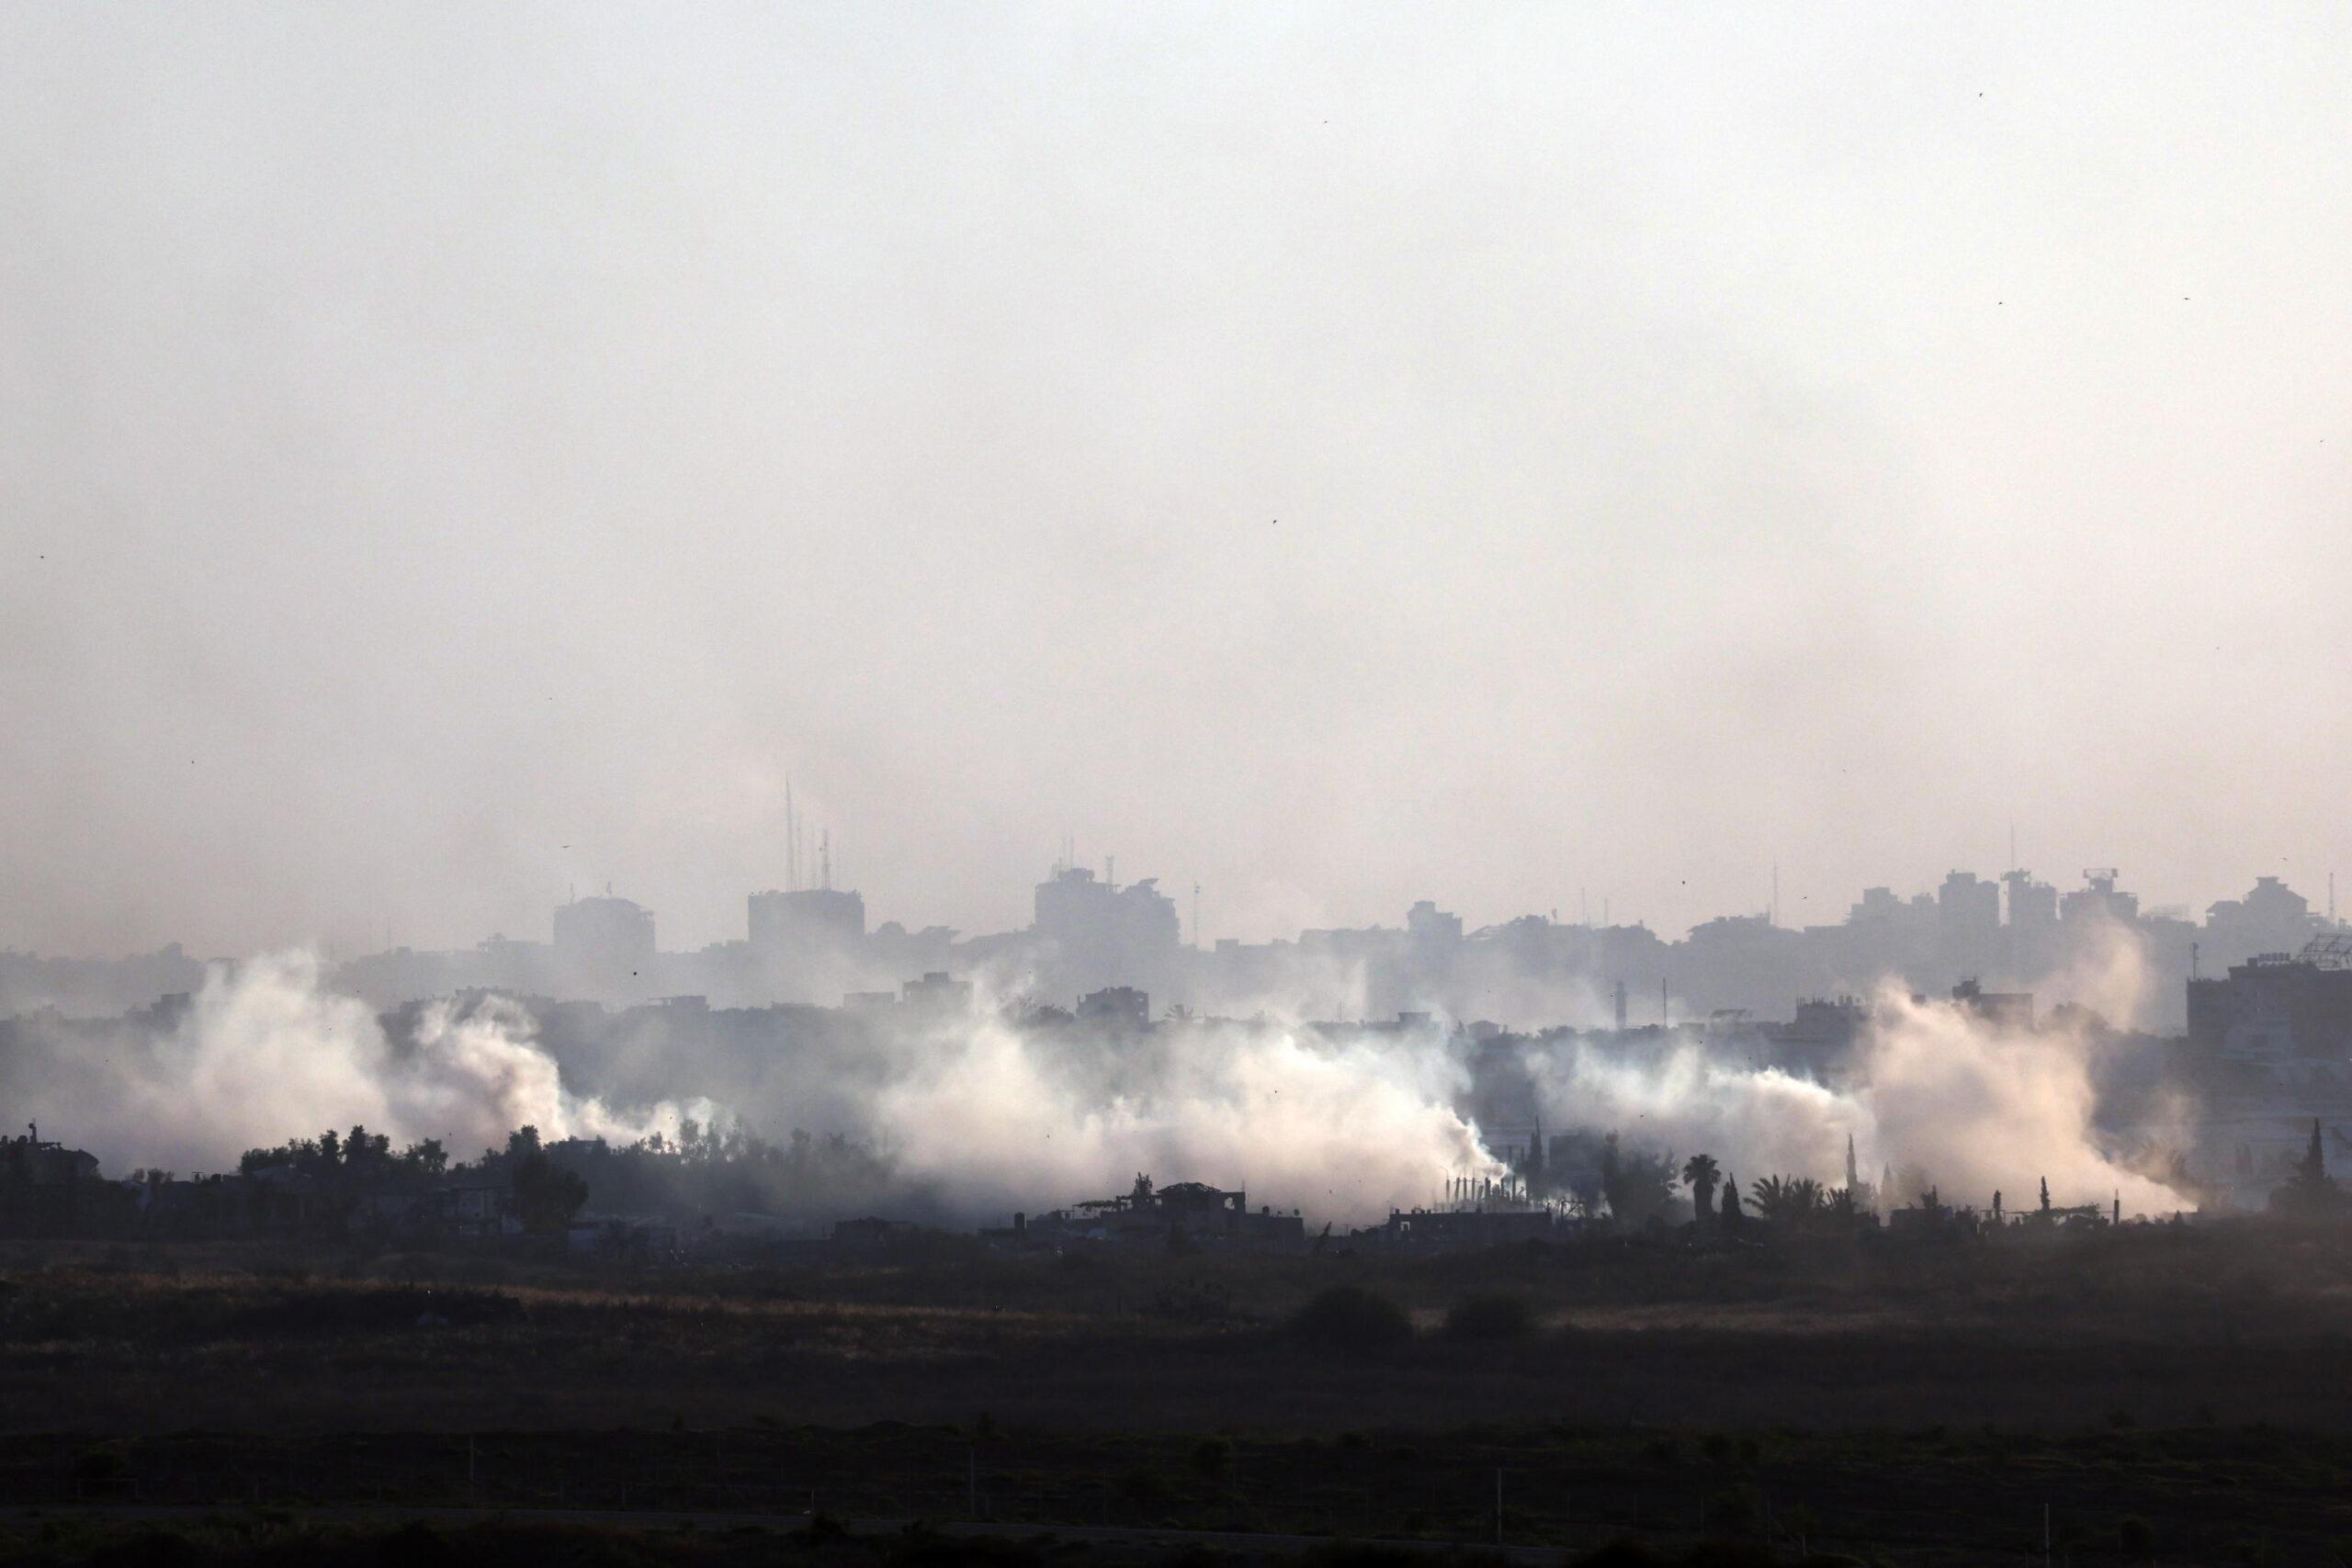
(1789, 1200)
(1702, 1173)
(1805, 1199)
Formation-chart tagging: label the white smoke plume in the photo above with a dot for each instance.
(1343, 1122)
(991, 1117)
(1345, 1128)
(263, 1055)
(1976, 1105)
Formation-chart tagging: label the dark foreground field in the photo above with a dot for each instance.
(2167, 1395)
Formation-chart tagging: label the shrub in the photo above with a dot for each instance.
(151, 1548)
(101, 1465)
(1623, 1552)
(1351, 1318)
(416, 1545)
(1488, 1319)
(1359, 1554)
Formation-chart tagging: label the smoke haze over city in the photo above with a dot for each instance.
(1305, 784)
(1535, 458)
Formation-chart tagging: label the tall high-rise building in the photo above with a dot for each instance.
(606, 943)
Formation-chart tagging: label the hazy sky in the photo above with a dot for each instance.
(1338, 453)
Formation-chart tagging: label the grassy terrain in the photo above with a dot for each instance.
(1922, 1403)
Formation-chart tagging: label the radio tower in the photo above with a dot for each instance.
(791, 842)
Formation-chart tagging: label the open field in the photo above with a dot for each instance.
(1921, 1404)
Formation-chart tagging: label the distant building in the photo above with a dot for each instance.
(937, 992)
(1968, 905)
(2276, 1006)
(1118, 1006)
(2098, 899)
(607, 940)
(1879, 906)
(2031, 903)
(1181, 1213)
(1432, 927)
(1094, 932)
(2006, 1010)
(808, 917)
(1825, 1022)
(1460, 1229)
(1072, 905)
(2272, 918)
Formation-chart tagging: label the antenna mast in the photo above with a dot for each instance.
(791, 842)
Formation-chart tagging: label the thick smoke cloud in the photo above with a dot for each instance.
(990, 1114)
(1345, 1127)
(964, 1103)
(1969, 1103)
(263, 1054)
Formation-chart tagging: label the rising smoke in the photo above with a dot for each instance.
(263, 1052)
(994, 1114)
(1346, 1127)
(1955, 1097)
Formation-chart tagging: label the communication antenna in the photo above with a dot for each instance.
(791, 842)
(1776, 893)
(825, 857)
(1196, 914)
